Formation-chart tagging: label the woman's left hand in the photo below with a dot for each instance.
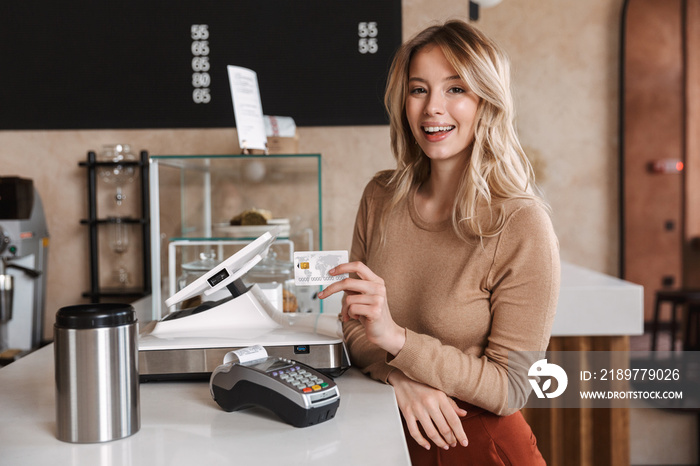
(365, 300)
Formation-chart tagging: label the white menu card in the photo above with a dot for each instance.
(247, 108)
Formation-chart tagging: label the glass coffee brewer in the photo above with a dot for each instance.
(119, 171)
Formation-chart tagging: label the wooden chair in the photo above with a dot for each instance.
(691, 338)
(680, 300)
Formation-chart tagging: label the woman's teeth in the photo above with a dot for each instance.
(437, 129)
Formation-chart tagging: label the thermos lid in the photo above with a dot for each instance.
(97, 315)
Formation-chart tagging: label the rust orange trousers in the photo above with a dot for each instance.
(493, 440)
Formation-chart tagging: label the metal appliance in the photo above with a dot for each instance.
(191, 343)
(24, 241)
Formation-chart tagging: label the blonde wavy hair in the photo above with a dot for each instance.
(498, 168)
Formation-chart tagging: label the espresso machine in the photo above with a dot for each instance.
(24, 240)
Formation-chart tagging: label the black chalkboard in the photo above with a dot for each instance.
(86, 64)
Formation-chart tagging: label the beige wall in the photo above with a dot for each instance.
(564, 55)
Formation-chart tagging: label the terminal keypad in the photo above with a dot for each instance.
(300, 379)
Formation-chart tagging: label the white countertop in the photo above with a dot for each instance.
(182, 425)
(590, 304)
(595, 304)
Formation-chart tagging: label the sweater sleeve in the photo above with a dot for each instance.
(524, 284)
(366, 356)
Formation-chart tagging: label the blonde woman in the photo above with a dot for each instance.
(454, 262)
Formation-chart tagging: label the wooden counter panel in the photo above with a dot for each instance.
(586, 436)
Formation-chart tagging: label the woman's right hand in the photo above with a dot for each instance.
(437, 414)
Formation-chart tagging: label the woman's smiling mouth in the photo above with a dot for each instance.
(437, 129)
(437, 133)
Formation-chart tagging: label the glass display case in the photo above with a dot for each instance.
(206, 207)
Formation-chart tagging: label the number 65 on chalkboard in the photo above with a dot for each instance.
(200, 32)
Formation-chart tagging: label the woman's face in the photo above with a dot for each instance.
(439, 107)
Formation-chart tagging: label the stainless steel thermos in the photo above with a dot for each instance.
(97, 378)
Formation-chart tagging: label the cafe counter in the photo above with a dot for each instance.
(182, 425)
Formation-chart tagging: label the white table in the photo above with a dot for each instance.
(590, 304)
(595, 304)
(182, 425)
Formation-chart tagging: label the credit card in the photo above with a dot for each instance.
(311, 267)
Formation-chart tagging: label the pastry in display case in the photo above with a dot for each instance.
(206, 207)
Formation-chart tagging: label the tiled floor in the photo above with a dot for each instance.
(662, 437)
(643, 342)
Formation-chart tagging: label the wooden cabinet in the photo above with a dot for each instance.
(660, 145)
(583, 436)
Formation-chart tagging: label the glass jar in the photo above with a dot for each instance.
(193, 270)
(276, 279)
(117, 174)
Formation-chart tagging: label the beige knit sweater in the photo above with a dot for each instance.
(465, 306)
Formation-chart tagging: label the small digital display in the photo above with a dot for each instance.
(272, 364)
(218, 278)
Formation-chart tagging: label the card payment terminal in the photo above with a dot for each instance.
(298, 394)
